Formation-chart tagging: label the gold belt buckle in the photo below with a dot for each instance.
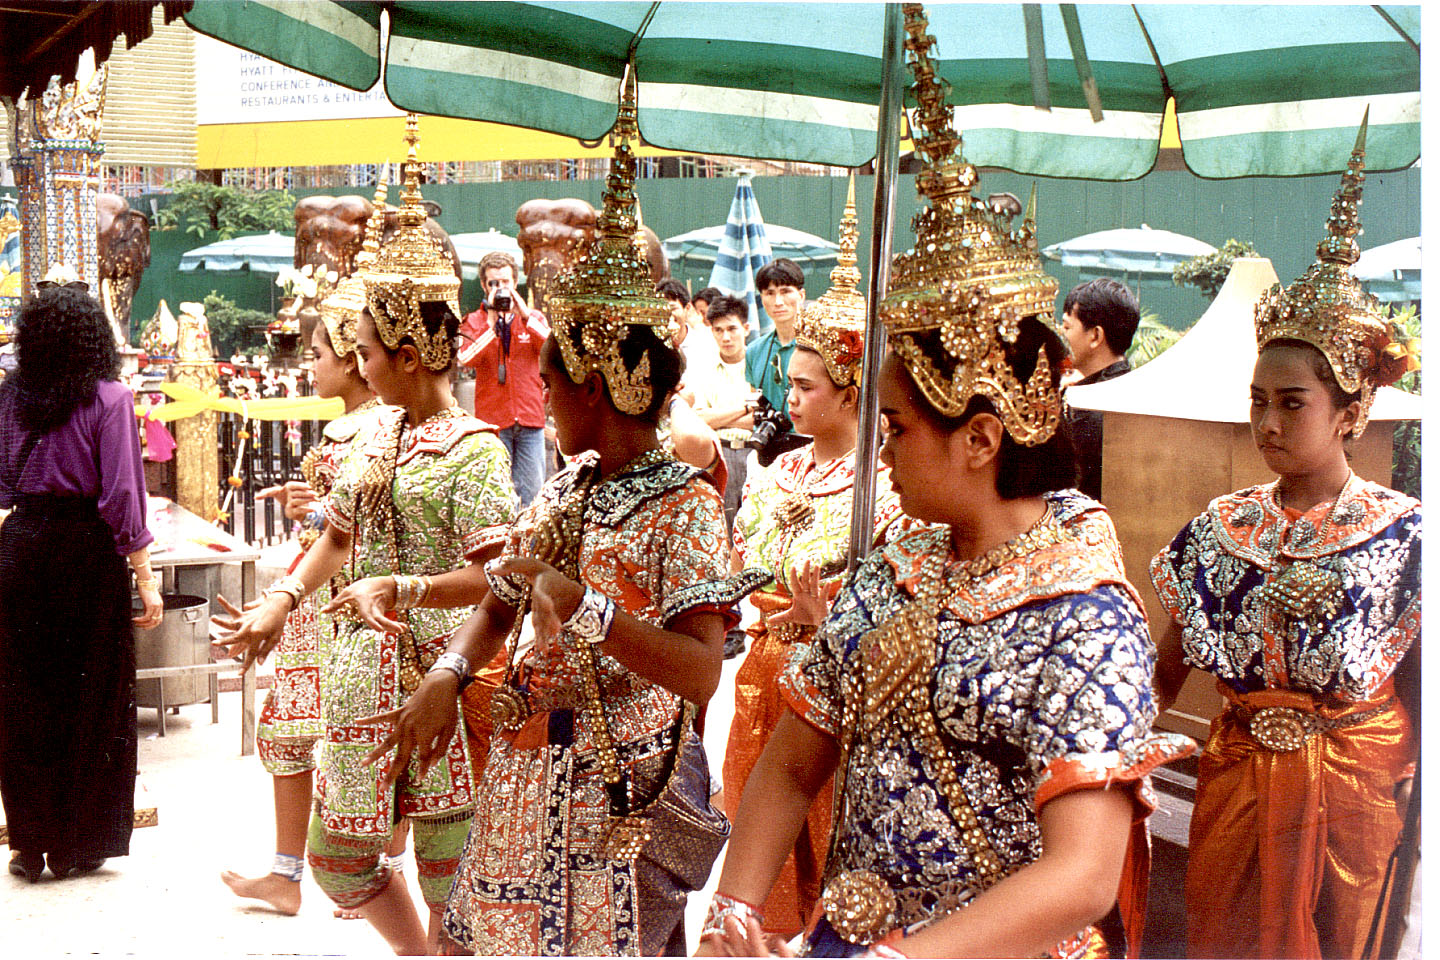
(508, 708)
(623, 838)
(860, 906)
(1281, 729)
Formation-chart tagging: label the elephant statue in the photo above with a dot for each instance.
(124, 248)
(552, 232)
(329, 231)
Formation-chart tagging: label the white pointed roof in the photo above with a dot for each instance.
(1206, 374)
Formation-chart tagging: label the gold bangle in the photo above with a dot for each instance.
(149, 583)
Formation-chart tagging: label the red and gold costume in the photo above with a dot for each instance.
(796, 510)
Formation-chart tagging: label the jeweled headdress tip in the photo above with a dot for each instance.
(412, 269)
(609, 289)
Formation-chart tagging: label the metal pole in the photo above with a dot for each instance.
(882, 231)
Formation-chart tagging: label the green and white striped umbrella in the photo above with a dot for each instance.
(1259, 89)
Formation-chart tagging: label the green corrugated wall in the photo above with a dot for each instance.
(1282, 217)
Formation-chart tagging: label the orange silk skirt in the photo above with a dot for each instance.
(475, 709)
(759, 705)
(1288, 849)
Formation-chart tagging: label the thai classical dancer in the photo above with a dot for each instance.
(981, 687)
(595, 821)
(1302, 597)
(418, 496)
(794, 523)
(72, 477)
(290, 725)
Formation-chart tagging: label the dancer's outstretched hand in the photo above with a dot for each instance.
(422, 727)
(254, 631)
(371, 600)
(809, 601)
(553, 596)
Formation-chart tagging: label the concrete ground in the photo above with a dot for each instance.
(215, 813)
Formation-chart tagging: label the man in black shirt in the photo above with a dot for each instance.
(1100, 321)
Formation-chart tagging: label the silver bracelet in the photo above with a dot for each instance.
(590, 623)
(290, 585)
(721, 907)
(456, 663)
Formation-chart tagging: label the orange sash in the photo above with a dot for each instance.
(1288, 848)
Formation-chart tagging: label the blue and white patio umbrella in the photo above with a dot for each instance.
(743, 251)
(1391, 271)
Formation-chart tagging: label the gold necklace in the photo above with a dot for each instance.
(1304, 589)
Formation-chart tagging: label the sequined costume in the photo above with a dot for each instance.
(289, 725)
(1288, 846)
(797, 509)
(533, 879)
(1040, 685)
(452, 496)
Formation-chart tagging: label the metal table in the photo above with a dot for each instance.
(194, 557)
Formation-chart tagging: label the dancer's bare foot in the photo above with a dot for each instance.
(343, 914)
(282, 894)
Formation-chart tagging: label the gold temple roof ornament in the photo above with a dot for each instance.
(1327, 308)
(340, 312)
(970, 278)
(834, 325)
(410, 270)
(609, 288)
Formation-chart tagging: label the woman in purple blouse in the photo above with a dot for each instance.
(71, 475)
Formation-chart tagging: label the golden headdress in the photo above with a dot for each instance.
(969, 276)
(834, 325)
(609, 288)
(340, 312)
(411, 270)
(1326, 307)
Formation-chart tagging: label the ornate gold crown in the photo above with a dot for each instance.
(341, 311)
(412, 269)
(969, 276)
(609, 288)
(1326, 307)
(834, 325)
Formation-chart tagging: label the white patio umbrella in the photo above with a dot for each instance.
(1128, 252)
(1391, 271)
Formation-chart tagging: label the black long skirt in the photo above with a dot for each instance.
(67, 682)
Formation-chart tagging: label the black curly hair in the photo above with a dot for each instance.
(64, 346)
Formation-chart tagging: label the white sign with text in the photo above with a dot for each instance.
(236, 86)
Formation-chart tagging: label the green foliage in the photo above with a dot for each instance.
(1405, 467)
(1152, 338)
(200, 208)
(233, 327)
(1208, 272)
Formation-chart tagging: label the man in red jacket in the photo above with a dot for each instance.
(502, 342)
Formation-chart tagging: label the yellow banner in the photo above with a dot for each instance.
(190, 401)
(302, 143)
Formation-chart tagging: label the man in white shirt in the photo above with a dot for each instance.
(725, 401)
(723, 398)
(692, 338)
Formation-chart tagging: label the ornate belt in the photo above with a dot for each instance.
(1283, 729)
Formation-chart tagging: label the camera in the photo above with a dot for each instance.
(773, 433)
(501, 301)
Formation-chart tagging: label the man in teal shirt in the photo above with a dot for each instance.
(767, 361)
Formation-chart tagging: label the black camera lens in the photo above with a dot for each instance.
(761, 436)
(501, 302)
